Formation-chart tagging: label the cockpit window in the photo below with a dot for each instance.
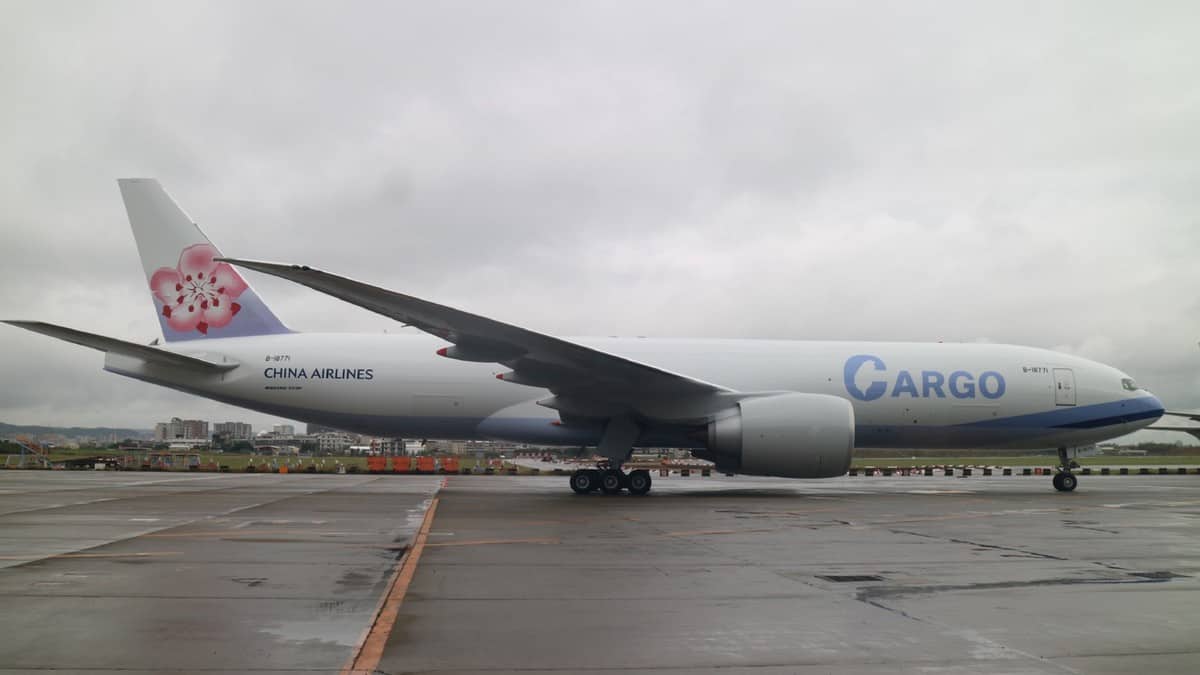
(1128, 384)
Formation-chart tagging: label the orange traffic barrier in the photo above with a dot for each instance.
(402, 464)
(450, 465)
(376, 464)
(426, 464)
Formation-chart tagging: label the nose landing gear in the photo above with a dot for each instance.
(1064, 480)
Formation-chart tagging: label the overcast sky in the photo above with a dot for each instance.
(1012, 172)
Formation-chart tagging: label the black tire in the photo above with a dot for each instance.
(639, 482)
(612, 482)
(1067, 482)
(583, 482)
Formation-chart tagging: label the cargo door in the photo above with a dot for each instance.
(1064, 386)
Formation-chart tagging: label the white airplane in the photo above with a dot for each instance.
(762, 407)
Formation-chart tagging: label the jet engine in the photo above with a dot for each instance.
(790, 435)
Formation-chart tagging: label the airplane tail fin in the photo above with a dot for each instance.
(196, 297)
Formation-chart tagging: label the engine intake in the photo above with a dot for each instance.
(789, 435)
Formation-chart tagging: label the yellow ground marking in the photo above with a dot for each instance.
(366, 658)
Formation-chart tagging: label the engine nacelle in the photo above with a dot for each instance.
(788, 435)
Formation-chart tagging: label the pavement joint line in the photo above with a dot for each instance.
(369, 652)
(487, 542)
(701, 533)
(141, 554)
(233, 533)
(147, 495)
(173, 526)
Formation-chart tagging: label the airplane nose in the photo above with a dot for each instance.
(1154, 405)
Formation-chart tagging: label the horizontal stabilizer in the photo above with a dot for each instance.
(115, 346)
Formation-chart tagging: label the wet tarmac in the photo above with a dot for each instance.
(250, 573)
(175, 573)
(852, 575)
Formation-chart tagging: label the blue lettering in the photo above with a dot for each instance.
(933, 383)
(905, 385)
(931, 380)
(995, 392)
(962, 384)
(850, 372)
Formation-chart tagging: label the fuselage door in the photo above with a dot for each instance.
(1064, 386)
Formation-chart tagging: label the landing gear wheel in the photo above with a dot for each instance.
(612, 482)
(1065, 481)
(584, 481)
(639, 482)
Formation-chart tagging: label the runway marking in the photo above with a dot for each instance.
(366, 658)
(147, 554)
(488, 542)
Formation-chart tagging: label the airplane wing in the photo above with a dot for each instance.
(586, 382)
(1166, 423)
(107, 344)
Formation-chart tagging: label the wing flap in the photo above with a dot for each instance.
(115, 346)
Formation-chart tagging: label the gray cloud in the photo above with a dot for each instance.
(1013, 172)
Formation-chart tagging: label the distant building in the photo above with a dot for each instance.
(283, 430)
(333, 441)
(388, 446)
(233, 431)
(278, 449)
(179, 429)
(195, 429)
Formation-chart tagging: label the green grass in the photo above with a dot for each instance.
(1030, 460)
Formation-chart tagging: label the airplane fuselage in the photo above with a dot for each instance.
(904, 395)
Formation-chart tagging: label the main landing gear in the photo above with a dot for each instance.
(616, 446)
(610, 481)
(1064, 480)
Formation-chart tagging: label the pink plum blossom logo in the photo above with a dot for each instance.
(199, 294)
